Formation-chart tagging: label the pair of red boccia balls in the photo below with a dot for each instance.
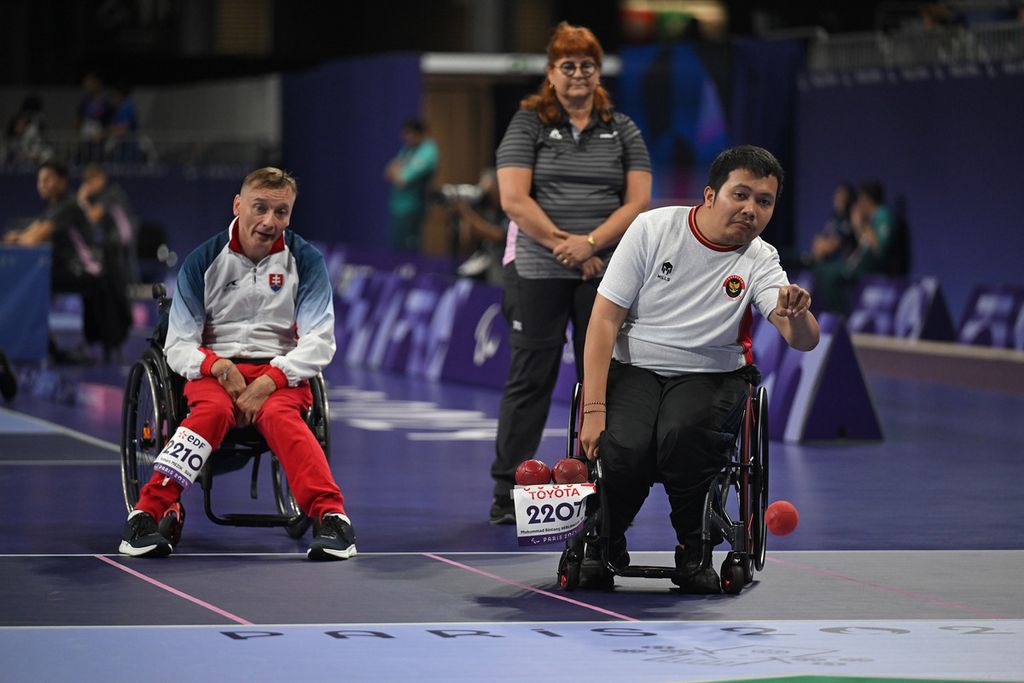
(565, 471)
(781, 517)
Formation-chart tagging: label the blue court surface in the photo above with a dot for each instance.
(905, 564)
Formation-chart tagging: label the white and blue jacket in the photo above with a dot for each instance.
(226, 306)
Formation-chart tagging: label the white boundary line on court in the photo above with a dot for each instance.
(510, 622)
(67, 431)
(363, 553)
(54, 463)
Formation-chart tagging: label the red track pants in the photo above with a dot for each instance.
(212, 414)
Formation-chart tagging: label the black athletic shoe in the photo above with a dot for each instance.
(333, 539)
(594, 574)
(692, 580)
(141, 538)
(503, 510)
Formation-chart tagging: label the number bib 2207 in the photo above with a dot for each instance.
(183, 456)
(549, 513)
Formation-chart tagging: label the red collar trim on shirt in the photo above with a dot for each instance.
(695, 229)
(236, 246)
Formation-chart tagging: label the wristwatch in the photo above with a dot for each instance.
(591, 241)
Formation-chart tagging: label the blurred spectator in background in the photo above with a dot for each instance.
(831, 247)
(482, 226)
(410, 174)
(882, 238)
(76, 266)
(121, 143)
(95, 112)
(106, 205)
(940, 15)
(882, 246)
(24, 137)
(8, 380)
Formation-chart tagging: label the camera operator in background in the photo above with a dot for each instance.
(478, 225)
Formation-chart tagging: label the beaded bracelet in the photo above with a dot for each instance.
(594, 403)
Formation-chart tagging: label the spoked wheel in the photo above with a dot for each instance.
(286, 504)
(145, 428)
(759, 483)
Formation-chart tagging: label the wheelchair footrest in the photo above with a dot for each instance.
(648, 572)
(257, 520)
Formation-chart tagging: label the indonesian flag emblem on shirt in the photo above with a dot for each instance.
(276, 281)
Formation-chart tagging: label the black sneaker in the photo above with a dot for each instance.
(503, 510)
(594, 574)
(690, 578)
(141, 538)
(333, 539)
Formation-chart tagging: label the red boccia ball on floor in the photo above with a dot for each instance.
(781, 517)
(569, 471)
(532, 472)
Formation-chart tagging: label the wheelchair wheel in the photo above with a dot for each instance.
(759, 487)
(145, 427)
(286, 504)
(570, 564)
(733, 573)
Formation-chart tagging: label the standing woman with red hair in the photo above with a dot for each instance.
(573, 174)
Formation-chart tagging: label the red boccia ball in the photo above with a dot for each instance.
(532, 472)
(781, 517)
(569, 471)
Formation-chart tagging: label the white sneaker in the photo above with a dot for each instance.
(476, 264)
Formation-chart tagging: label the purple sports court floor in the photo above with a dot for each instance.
(905, 564)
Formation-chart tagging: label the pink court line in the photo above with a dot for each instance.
(523, 586)
(175, 591)
(890, 589)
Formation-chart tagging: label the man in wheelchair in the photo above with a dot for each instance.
(251, 323)
(667, 356)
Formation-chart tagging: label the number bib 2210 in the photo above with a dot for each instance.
(183, 456)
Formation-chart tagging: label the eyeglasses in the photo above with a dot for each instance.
(587, 68)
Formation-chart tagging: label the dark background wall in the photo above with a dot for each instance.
(950, 147)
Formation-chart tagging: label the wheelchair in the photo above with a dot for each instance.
(745, 474)
(154, 405)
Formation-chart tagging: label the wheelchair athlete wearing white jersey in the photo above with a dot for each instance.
(252, 321)
(667, 356)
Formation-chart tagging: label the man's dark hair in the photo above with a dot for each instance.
(415, 125)
(873, 190)
(57, 167)
(757, 160)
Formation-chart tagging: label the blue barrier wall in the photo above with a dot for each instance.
(950, 144)
(341, 125)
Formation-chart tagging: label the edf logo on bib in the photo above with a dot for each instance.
(276, 281)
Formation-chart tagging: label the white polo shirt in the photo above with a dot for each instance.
(689, 300)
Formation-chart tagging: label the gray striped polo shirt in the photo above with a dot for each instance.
(578, 183)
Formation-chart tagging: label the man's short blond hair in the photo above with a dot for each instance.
(271, 177)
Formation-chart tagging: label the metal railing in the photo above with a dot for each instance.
(982, 44)
(141, 150)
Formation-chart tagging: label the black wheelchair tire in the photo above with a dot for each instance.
(145, 399)
(760, 441)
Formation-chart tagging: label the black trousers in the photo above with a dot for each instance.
(537, 312)
(676, 430)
